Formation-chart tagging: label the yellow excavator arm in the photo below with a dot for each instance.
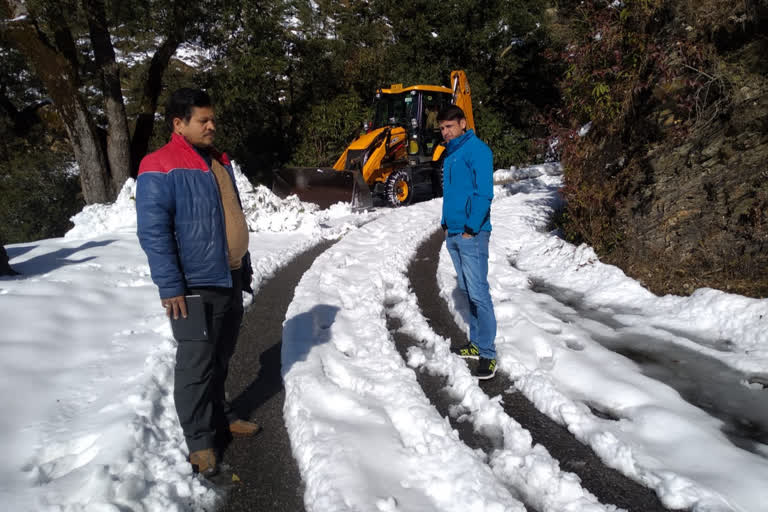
(462, 96)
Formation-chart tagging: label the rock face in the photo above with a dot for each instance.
(674, 188)
(698, 215)
(5, 268)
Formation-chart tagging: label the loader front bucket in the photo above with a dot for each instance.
(323, 186)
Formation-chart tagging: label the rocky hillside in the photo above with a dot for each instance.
(671, 182)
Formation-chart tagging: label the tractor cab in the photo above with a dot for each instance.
(415, 109)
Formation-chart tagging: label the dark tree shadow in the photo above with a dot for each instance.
(14, 252)
(305, 331)
(267, 384)
(53, 260)
(701, 380)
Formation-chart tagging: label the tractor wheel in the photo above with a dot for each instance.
(437, 182)
(399, 188)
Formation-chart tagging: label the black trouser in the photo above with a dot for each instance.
(202, 366)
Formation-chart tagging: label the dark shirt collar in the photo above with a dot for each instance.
(205, 154)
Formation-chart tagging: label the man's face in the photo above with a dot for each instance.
(201, 128)
(452, 129)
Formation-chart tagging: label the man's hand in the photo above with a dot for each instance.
(466, 235)
(175, 305)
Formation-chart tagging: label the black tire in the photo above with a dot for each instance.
(399, 188)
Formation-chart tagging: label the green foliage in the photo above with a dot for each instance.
(640, 79)
(37, 194)
(509, 144)
(248, 87)
(328, 129)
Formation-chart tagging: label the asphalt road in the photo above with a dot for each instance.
(269, 479)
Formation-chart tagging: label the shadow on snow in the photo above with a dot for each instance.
(701, 380)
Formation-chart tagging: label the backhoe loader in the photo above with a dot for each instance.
(396, 159)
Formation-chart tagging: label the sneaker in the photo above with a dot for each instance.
(204, 462)
(468, 351)
(243, 428)
(486, 369)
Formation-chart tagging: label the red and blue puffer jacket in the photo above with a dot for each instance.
(180, 219)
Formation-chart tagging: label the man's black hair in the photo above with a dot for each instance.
(181, 102)
(451, 113)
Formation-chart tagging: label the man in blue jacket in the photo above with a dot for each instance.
(467, 196)
(192, 228)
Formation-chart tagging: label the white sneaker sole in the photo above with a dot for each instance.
(486, 377)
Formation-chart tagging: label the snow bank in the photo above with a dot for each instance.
(264, 211)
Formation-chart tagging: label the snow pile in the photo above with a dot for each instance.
(88, 360)
(98, 219)
(267, 212)
(513, 174)
(264, 212)
(564, 321)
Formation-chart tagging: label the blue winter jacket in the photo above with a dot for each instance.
(180, 219)
(467, 185)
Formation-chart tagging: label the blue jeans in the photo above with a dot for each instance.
(470, 259)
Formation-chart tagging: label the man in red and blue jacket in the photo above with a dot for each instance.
(467, 196)
(192, 228)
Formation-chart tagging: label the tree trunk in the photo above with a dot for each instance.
(145, 122)
(62, 35)
(118, 139)
(62, 81)
(5, 267)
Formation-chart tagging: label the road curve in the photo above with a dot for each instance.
(268, 475)
(608, 485)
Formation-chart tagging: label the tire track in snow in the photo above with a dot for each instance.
(364, 435)
(507, 455)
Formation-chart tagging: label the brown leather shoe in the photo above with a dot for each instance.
(242, 428)
(204, 462)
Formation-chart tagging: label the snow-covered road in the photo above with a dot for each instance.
(90, 378)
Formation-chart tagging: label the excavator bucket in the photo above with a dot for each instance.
(323, 186)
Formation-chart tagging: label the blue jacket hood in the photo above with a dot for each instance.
(455, 144)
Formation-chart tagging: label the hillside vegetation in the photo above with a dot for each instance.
(670, 181)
